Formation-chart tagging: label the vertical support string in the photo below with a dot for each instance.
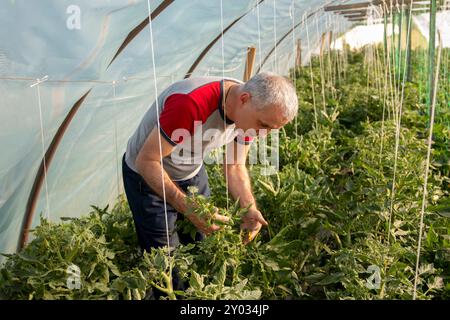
(310, 69)
(223, 101)
(322, 80)
(159, 128)
(41, 122)
(259, 34)
(116, 158)
(275, 68)
(294, 55)
(427, 166)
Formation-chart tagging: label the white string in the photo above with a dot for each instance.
(328, 46)
(19, 78)
(294, 54)
(159, 128)
(223, 100)
(108, 82)
(400, 38)
(398, 127)
(116, 159)
(37, 85)
(383, 68)
(275, 64)
(394, 65)
(427, 166)
(367, 62)
(396, 150)
(310, 68)
(322, 80)
(338, 52)
(397, 120)
(397, 137)
(389, 60)
(259, 34)
(331, 60)
(408, 31)
(378, 64)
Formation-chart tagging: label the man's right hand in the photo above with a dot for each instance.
(203, 226)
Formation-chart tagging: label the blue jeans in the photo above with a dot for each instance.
(150, 218)
(148, 209)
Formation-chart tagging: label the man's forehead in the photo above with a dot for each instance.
(272, 116)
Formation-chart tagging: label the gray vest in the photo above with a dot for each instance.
(187, 157)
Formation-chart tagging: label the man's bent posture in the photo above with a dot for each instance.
(197, 115)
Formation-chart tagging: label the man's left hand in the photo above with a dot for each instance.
(252, 222)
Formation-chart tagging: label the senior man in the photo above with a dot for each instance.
(190, 118)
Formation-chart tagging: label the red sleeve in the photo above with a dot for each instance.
(180, 111)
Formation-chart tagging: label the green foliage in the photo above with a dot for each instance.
(331, 209)
(102, 245)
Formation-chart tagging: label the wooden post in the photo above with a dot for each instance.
(330, 40)
(344, 56)
(330, 69)
(251, 54)
(322, 43)
(298, 58)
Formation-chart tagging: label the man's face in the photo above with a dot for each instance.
(261, 121)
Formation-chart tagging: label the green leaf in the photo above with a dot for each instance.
(196, 281)
(267, 187)
(332, 278)
(271, 264)
(251, 294)
(241, 285)
(442, 208)
(222, 274)
(114, 269)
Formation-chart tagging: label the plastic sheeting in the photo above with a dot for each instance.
(73, 42)
(361, 36)
(422, 22)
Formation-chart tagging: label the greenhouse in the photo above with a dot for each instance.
(341, 109)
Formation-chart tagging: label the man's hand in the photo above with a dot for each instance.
(240, 188)
(252, 222)
(204, 226)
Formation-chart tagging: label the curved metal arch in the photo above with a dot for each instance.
(141, 26)
(213, 42)
(40, 176)
(281, 40)
(52, 148)
(288, 33)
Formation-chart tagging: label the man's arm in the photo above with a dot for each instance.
(148, 164)
(237, 175)
(240, 187)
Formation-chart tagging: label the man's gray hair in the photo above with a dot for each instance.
(267, 88)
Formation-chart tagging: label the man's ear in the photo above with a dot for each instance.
(244, 97)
